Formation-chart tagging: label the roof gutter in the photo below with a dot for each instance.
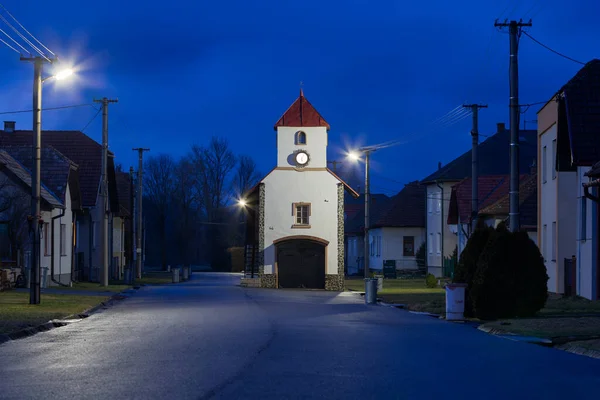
(586, 190)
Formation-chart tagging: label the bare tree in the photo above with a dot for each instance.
(213, 165)
(185, 198)
(159, 187)
(246, 175)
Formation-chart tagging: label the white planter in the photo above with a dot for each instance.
(455, 301)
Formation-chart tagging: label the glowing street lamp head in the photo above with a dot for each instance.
(242, 202)
(353, 155)
(65, 73)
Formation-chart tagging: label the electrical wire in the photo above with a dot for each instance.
(47, 109)
(15, 42)
(552, 50)
(22, 27)
(10, 47)
(91, 120)
(24, 38)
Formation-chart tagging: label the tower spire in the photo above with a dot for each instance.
(301, 87)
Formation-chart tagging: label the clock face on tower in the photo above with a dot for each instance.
(301, 158)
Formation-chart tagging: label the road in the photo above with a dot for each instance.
(208, 338)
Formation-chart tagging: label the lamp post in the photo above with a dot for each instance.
(355, 156)
(35, 218)
(242, 204)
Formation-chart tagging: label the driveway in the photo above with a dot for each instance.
(209, 338)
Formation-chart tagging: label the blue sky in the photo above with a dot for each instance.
(376, 70)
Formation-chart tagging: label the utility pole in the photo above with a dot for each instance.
(131, 224)
(104, 256)
(514, 30)
(138, 249)
(35, 218)
(474, 163)
(335, 164)
(367, 206)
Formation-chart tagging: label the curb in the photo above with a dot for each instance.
(70, 319)
(582, 351)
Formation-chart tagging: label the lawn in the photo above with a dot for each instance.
(558, 305)
(16, 313)
(155, 278)
(95, 287)
(549, 327)
(413, 293)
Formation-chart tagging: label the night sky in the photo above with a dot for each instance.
(375, 70)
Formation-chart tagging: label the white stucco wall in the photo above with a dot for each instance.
(316, 146)
(566, 223)
(393, 245)
(586, 246)
(62, 263)
(437, 226)
(285, 187)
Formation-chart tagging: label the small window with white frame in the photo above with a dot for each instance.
(301, 214)
(300, 138)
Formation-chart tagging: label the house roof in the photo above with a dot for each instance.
(55, 167)
(527, 203)
(581, 95)
(356, 224)
(79, 148)
(124, 193)
(493, 156)
(406, 209)
(490, 189)
(23, 174)
(301, 113)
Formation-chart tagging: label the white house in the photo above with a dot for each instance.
(87, 155)
(296, 212)
(568, 145)
(59, 201)
(493, 155)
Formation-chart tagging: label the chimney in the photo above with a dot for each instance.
(501, 126)
(439, 165)
(9, 126)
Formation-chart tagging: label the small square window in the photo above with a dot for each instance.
(409, 246)
(300, 138)
(301, 214)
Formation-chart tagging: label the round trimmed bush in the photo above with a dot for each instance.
(431, 281)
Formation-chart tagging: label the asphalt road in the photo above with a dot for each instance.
(208, 338)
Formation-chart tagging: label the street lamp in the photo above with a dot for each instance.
(38, 62)
(355, 156)
(243, 204)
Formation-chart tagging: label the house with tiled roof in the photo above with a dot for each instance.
(295, 222)
(568, 146)
(60, 201)
(121, 225)
(354, 229)
(493, 155)
(493, 205)
(87, 155)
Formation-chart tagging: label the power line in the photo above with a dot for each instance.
(552, 50)
(91, 120)
(46, 109)
(29, 33)
(24, 38)
(10, 47)
(14, 41)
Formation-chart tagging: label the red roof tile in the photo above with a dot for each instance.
(301, 113)
(527, 202)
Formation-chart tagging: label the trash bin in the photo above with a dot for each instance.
(175, 272)
(186, 274)
(127, 276)
(371, 290)
(455, 301)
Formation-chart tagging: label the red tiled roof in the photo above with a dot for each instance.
(527, 202)
(301, 113)
(406, 209)
(490, 189)
(78, 147)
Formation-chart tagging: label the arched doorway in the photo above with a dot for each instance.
(301, 262)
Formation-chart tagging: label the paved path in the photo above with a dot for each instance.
(208, 338)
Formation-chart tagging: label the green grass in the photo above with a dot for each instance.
(16, 313)
(411, 292)
(558, 305)
(549, 327)
(95, 287)
(155, 278)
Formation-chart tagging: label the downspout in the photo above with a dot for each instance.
(442, 223)
(73, 243)
(91, 242)
(62, 214)
(586, 190)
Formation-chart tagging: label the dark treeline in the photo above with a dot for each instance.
(190, 209)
